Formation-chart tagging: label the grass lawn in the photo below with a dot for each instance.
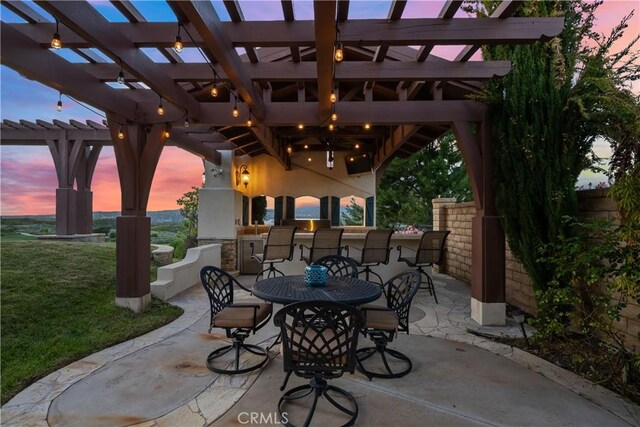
(58, 305)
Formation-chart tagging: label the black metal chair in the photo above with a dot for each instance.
(339, 265)
(326, 241)
(376, 251)
(382, 323)
(279, 248)
(430, 252)
(238, 320)
(319, 342)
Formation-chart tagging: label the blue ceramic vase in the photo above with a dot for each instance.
(315, 275)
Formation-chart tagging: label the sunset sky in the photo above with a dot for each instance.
(28, 178)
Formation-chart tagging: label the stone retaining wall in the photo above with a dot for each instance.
(456, 217)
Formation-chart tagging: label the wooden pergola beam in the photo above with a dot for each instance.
(24, 11)
(346, 72)
(352, 113)
(362, 32)
(343, 11)
(325, 38)
(208, 25)
(398, 137)
(29, 59)
(85, 20)
(128, 10)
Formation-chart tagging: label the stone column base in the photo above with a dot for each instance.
(229, 252)
(135, 304)
(488, 313)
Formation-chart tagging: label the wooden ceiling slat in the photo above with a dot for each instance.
(171, 55)
(287, 10)
(128, 10)
(46, 125)
(30, 125)
(28, 58)
(343, 11)
(25, 12)
(83, 19)
(95, 125)
(236, 15)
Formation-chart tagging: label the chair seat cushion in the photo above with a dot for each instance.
(258, 257)
(241, 317)
(386, 320)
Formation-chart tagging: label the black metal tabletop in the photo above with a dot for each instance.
(290, 289)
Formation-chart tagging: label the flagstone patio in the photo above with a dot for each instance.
(458, 379)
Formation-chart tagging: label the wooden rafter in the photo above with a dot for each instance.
(325, 38)
(128, 10)
(356, 33)
(84, 20)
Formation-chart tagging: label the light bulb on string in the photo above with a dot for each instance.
(334, 116)
(357, 146)
(120, 134)
(300, 126)
(306, 146)
(160, 108)
(249, 121)
(235, 111)
(339, 55)
(167, 132)
(367, 126)
(289, 149)
(120, 78)
(56, 41)
(59, 104)
(333, 97)
(177, 45)
(331, 127)
(214, 90)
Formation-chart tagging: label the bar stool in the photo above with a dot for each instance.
(279, 248)
(376, 251)
(326, 241)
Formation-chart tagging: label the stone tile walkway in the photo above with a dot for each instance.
(161, 378)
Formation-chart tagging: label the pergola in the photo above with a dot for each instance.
(408, 97)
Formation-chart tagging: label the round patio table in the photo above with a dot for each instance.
(290, 289)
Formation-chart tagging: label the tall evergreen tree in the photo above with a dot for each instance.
(408, 185)
(353, 214)
(542, 129)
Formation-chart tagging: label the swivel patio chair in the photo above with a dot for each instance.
(319, 342)
(238, 320)
(338, 265)
(279, 248)
(326, 241)
(382, 323)
(430, 252)
(376, 251)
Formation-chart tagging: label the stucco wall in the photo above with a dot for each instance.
(456, 217)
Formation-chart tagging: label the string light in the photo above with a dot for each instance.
(333, 97)
(306, 146)
(214, 91)
(351, 159)
(334, 116)
(289, 149)
(300, 126)
(235, 111)
(59, 104)
(167, 132)
(331, 127)
(56, 41)
(160, 108)
(249, 121)
(339, 56)
(308, 159)
(177, 45)
(120, 134)
(367, 126)
(186, 119)
(120, 78)
(357, 146)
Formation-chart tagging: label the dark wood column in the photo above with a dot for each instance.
(487, 241)
(84, 196)
(137, 156)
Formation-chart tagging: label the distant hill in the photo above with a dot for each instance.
(157, 217)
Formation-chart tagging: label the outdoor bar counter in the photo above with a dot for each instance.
(351, 239)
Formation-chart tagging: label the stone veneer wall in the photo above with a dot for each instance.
(228, 252)
(456, 217)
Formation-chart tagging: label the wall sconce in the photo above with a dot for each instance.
(242, 175)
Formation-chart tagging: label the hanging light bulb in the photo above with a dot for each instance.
(333, 97)
(334, 116)
(351, 159)
(357, 146)
(214, 91)
(249, 121)
(120, 78)
(56, 41)
(367, 126)
(166, 133)
(339, 55)
(186, 122)
(235, 111)
(308, 159)
(331, 127)
(120, 134)
(160, 108)
(306, 146)
(289, 149)
(177, 45)
(300, 126)
(59, 104)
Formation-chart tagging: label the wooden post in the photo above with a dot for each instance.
(487, 237)
(137, 156)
